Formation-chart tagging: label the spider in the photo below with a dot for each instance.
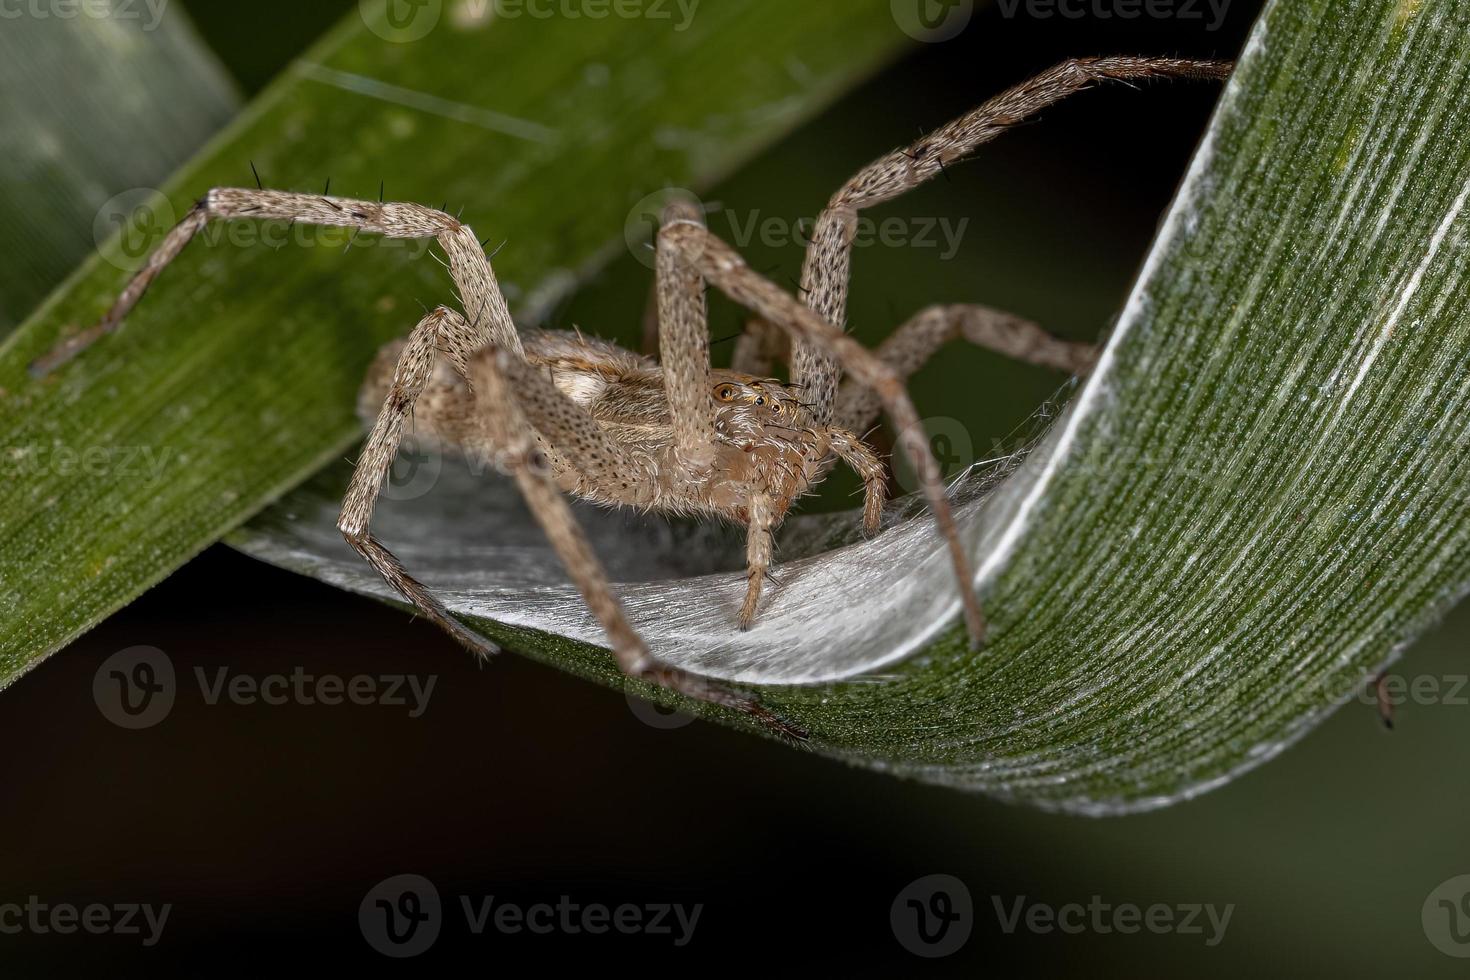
(566, 414)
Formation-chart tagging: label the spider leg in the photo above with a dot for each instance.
(866, 464)
(443, 329)
(649, 343)
(825, 272)
(683, 342)
(581, 451)
(911, 345)
(468, 265)
(500, 395)
(758, 550)
(758, 348)
(722, 266)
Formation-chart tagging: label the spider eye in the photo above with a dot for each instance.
(760, 399)
(725, 393)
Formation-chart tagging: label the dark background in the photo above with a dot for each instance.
(265, 826)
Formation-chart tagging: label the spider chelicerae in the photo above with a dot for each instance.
(567, 414)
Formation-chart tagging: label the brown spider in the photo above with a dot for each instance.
(562, 413)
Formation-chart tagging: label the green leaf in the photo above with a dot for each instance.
(1253, 505)
(236, 379)
(1248, 510)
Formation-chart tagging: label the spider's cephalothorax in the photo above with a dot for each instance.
(567, 414)
(766, 447)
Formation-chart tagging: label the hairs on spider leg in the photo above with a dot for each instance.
(798, 286)
(479, 313)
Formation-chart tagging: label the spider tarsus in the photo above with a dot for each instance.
(64, 351)
(749, 705)
(974, 624)
(1385, 702)
(774, 723)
